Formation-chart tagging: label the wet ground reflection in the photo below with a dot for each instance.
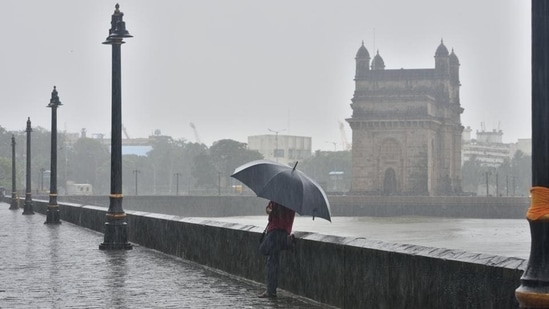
(60, 266)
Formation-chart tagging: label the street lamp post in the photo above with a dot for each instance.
(497, 184)
(116, 226)
(136, 172)
(27, 210)
(487, 174)
(514, 184)
(13, 204)
(276, 152)
(42, 170)
(507, 185)
(218, 183)
(52, 214)
(177, 183)
(533, 291)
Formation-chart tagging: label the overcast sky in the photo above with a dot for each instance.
(239, 68)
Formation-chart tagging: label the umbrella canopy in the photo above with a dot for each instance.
(285, 185)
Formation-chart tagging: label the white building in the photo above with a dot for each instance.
(281, 148)
(524, 145)
(488, 147)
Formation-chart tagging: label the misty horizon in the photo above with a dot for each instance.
(239, 69)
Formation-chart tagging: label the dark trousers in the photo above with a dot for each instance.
(274, 242)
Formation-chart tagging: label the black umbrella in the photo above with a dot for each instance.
(286, 186)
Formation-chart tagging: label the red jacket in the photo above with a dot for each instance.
(280, 217)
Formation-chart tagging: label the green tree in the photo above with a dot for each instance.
(5, 143)
(471, 175)
(204, 171)
(521, 171)
(20, 161)
(41, 156)
(162, 161)
(319, 166)
(89, 162)
(5, 173)
(172, 163)
(185, 164)
(513, 177)
(137, 174)
(226, 155)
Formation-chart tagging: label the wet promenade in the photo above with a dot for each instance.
(60, 266)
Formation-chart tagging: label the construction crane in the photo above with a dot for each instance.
(125, 132)
(346, 145)
(196, 137)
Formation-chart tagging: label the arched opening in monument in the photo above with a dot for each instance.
(389, 182)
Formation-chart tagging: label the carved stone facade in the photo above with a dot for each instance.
(406, 127)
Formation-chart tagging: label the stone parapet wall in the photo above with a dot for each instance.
(343, 272)
(350, 205)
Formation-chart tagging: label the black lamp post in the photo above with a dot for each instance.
(116, 226)
(507, 185)
(218, 183)
(136, 172)
(487, 174)
(497, 184)
(13, 204)
(533, 291)
(177, 183)
(27, 210)
(42, 170)
(514, 184)
(52, 213)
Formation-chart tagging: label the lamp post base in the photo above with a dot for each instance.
(28, 210)
(534, 289)
(529, 297)
(52, 215)
(116, 236)
(14, 203)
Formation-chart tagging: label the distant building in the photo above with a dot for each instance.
(524, 145)
(138, 150)
(78, 188)
(130, 146)
(489, 149)
(281, 148)
(406, 127)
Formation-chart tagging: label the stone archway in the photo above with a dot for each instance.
(389, 182)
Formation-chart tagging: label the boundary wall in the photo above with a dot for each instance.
(338, 271)
(350, 205)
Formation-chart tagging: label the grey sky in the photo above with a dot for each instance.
(238, 68)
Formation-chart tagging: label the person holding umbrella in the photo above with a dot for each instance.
(279, 237)
(289, 191)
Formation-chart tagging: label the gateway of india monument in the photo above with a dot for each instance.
(406, 127)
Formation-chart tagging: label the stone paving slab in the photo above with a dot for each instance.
(60, 266)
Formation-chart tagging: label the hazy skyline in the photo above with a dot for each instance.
(240, 68)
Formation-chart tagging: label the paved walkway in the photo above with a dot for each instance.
(60, 266)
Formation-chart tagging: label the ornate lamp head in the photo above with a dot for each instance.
(54, 101)
(118, 31)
